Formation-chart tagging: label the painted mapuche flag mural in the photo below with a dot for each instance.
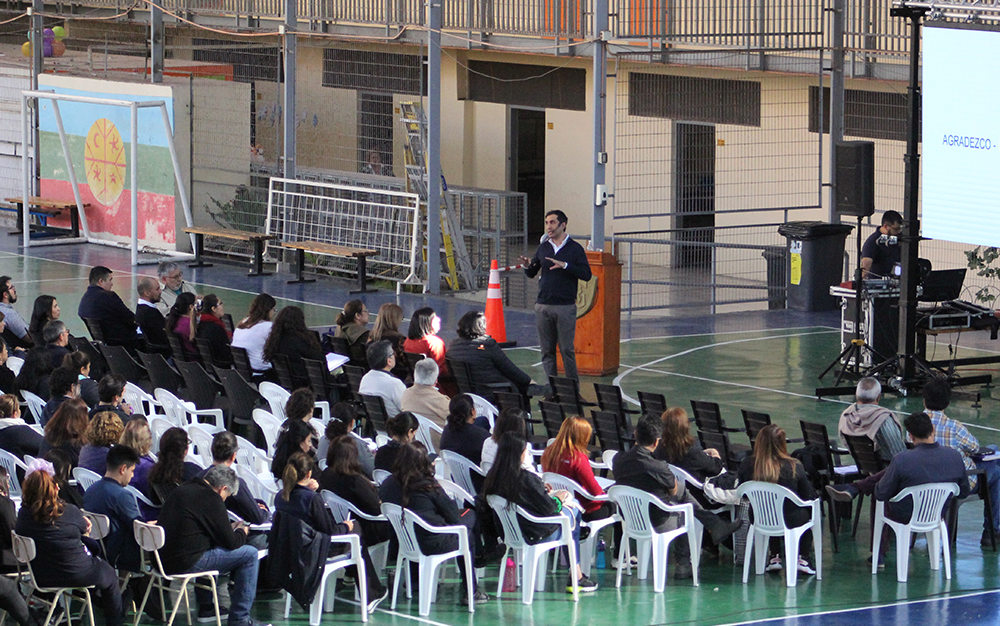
(99, 143)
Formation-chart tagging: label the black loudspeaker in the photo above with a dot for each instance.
(855, 192)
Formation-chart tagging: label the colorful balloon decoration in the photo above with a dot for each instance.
(52, 43)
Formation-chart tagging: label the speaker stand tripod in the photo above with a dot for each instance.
(853, 356)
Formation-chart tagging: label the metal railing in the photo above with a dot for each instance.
(703, 268)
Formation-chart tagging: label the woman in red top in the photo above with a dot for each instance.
(421, 338)
(567, 456)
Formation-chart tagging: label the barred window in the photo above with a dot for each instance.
(538, 86)
(868, 114)
(385, 72)
(249, 63)
(694, 99)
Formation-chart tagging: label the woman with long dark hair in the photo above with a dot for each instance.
(182, 320)
(461, 434)
(679, 447)
(171, 469)
(290, 337)
(252, 331)
(343, 421)
(509, 480)
(297, 437)
(60, 532)
(412, 485)
(344, 476)
(352, 323)
(487, 363)
(510, 420)
(422, 338)
(212, 328)
(45, 310)
(298, 498)
(771, 463)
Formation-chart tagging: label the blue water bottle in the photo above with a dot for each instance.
(601, 551)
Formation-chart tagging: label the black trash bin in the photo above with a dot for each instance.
(777, 276)
(816, 261)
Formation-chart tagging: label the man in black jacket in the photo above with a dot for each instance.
(199, 537)
(637, 468)
(152, 324)
(242, 503)
(111, 392)
(102, 304)
(562, 263)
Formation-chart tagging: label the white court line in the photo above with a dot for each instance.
(725, 332)
(618, 379)
(786, 618)
(122, 272)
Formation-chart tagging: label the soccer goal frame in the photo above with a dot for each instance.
(27, 175)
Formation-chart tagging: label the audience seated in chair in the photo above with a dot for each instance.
(292, 338)
(865, 418)
(413, 486)
(299, 498)
(171, 470)
(637, 468)
(242, 503)
(35, 373)
(109, 497)
(422, 338)
(464, 434)
(423, 399)
(64, 558)
(79, 362)
(100, 303)
(343, 421)
(65, 385)
(252, 332)
(111, 391)
(173, 285)
(200, 537)
(16, 436)
(13, 327)
(65, 430)
(138, 437)
(148, 316)
(379, 380)
(182, 320)
(344, 476)
(402, 429)
(103, 432)
(352, 323)
(386, 328)
(212, 328)
(56, 338)
(487, 362)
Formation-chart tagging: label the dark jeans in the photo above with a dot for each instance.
(242, 565)
(556, 324)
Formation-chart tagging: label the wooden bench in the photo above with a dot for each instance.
(360, 254)
(257, 239)
(44, 208)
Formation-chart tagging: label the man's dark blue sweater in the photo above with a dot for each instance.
(926, 463)
(558, 286)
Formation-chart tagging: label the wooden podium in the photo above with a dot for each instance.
(598, 323)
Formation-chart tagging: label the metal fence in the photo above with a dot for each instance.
(703, 271)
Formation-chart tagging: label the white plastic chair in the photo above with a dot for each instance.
(251, 456)
(460, 468)
(151, 538)
(25, 552)
(270, 426)
(633, 507)
(767, 502)
(85, 477)
(202, 440)
(260, 489)
(403, 522)
(588, 547)
(183, 414)
(11, 463)
(323, 600)
(157, 426)
(35, 405)
(461, 497)
(141, 402)
(277, 397)
(343, 509)
(426, 427)
(15, 363)
(928, 504)
(140, 497)
(533, 556)
(380, 475)
(485, 407)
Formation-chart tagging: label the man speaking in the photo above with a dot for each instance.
(562, 263)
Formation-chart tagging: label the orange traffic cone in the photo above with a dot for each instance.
(494, 307)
